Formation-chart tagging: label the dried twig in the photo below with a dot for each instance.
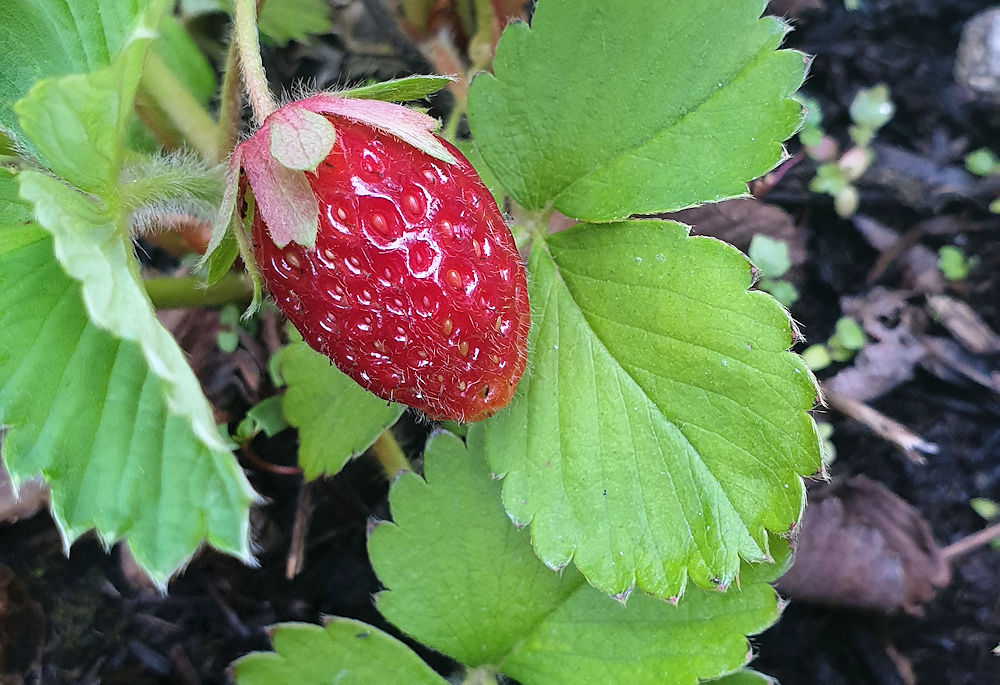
(909, 442)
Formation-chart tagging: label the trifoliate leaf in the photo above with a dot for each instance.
(607, 109)
(461, 579)
(85, 409)
(337, 419)
(47, 38)
(682, 424)
(345, 652)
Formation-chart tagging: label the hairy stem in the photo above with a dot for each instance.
(188, 291)
(162, 88)
(390, 455)
(248, 46)
(230, 104)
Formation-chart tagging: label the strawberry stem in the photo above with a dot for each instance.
(248, 46)
(187, 292)
(390, 455)
(183, 111)
(230, 105)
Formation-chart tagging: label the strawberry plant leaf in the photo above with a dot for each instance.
(461, 579)
(284, 21)
(85, 409)
(78, 125)
(179, 52)
(608, 109)
(89, 227)
(346, 652)
(336, 418)
(747, 676)
(42, 38)
(682, 424)
(398, 90)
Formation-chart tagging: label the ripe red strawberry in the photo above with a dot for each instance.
(414, 287)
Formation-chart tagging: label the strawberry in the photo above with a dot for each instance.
(413, 286)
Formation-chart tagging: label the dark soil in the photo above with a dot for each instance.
(102, 625)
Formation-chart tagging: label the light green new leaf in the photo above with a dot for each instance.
(461, 579)
(346, 652)
(337, 419)
(83, 408)
(47, 38)
(681, 426)
(608, 109)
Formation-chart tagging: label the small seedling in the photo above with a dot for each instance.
(848, 338)
(870, 110)
(990, 511)
(772, 258)
(954, 264)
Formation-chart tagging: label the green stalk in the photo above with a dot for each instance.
(248, 46)
(163, 89)
(390, 455)
(230, 105)
(187, 292)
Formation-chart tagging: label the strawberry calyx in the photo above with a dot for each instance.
(294, 139)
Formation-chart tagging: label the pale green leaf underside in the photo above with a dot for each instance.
(681, 427)
(464, 581)
(47, 38)
(345, 652)
(337, 418)
(83, 408)
(609, 109)
(90, 113)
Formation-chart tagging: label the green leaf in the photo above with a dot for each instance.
(817, 357)
(148, 462)
(267, 416)
(986, 508)
(608, 109)
(346, 652)
(83, 408)
(783, 291)
(744, 677)
(337, 419)
(982, 162)
(284, 21)
(398, 90)
(871, 109)
(46, 38)
(770, 256)
(682, 423)
(848, 334)
(179, 52)
(953, 263)
(461, 579)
